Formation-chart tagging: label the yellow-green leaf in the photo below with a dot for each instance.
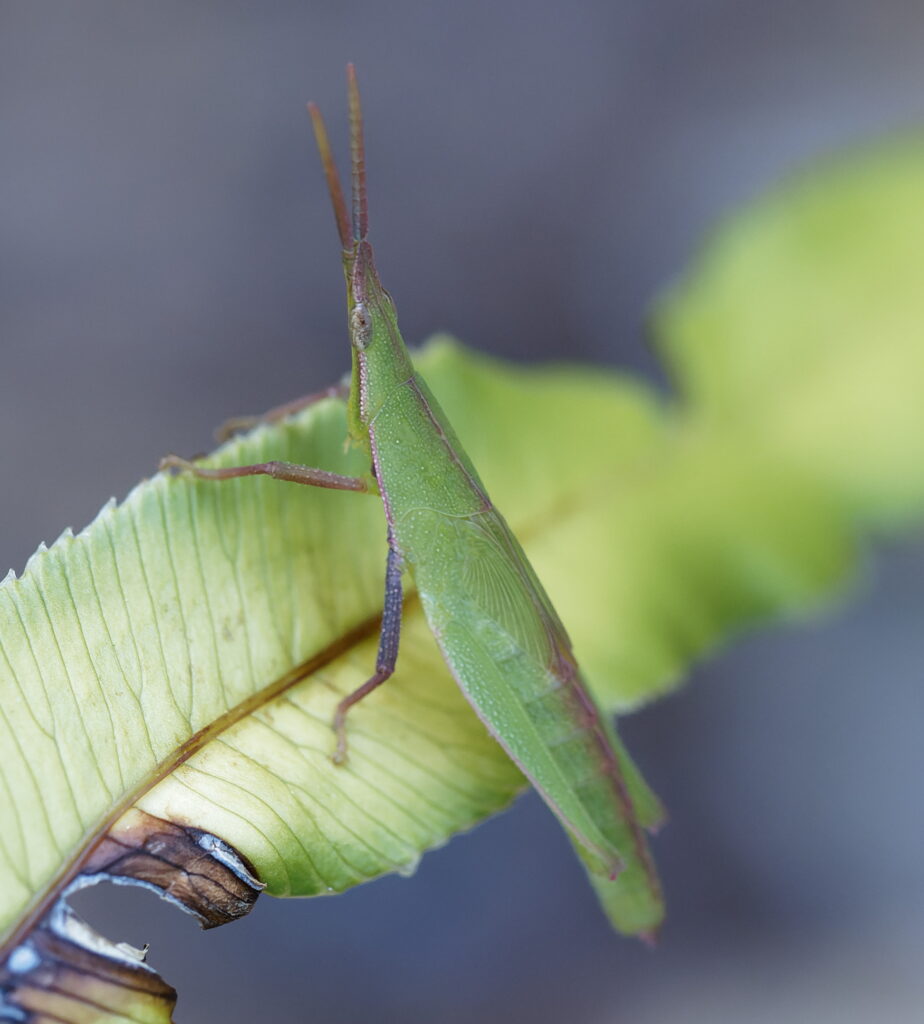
(168, 676)
(802, 328)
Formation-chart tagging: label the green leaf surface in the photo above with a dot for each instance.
(185, 652)
(165, 629)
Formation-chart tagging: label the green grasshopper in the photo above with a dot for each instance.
(494, 623)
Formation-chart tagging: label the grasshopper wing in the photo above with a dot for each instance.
(512, 658)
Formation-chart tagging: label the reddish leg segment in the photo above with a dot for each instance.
(280, 412)
(290, 471)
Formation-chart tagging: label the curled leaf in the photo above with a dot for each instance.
(168, 676)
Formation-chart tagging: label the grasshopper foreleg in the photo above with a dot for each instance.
(280, 412)
(290, 471)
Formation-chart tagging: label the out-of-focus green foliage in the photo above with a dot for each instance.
(801, 329)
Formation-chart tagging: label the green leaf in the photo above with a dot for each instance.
(184, 654)
(176, 665)
(802, 328)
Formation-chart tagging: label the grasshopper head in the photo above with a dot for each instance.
(380, 359)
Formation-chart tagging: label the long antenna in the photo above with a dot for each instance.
(333, 179)
(357, 159)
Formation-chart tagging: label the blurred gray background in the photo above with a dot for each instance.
(538, 170)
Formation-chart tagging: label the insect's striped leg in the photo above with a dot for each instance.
(290, 471)
(388, 649)
(240, 423)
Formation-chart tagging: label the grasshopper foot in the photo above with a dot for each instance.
(176, 462)
(339, 755)
(236, 425)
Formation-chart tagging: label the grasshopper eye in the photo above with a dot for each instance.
(360, 327)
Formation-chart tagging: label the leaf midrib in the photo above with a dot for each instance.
(71, 867)
(559, 510)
